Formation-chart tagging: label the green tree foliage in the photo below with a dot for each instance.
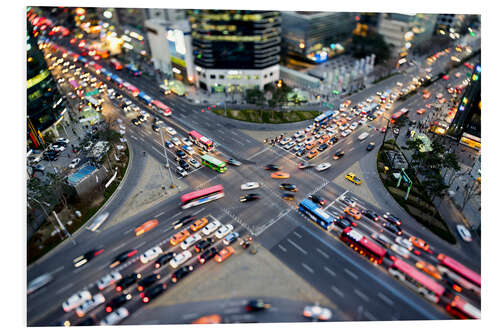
(254, 96)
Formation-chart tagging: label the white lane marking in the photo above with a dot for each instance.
(332, 273)
(129, 230)
(308, 268)
(247, 140)
(360, 294)
(298, 247)
(58, 269)
(323, 253)
(351, 149)
(189, 315)
(258, 153)
(297, 234)
(370, 316)
(354, 276)
(238, 141)
(66, 287)
(159, 152)
(138, 246)
(385, 298)
(199, 211)
(337, 291)
(177, 214)
(119, 246)
(282, 248)
(159, 214)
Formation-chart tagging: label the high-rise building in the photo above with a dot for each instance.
(445, 22)
(45, 106)
(466, 126)
(315, 36)
(171, 48)
(235, 49)
(166, 14)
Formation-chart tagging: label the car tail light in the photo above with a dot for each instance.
(140, 288)
(416, 252)
(109, 309)
(145, 299)
(119, 288)
(393, 258)
(457, 288)
(174, 279)
(132, 253)
(142, 295)
(354, 224)
(98, 252)
(157, 265)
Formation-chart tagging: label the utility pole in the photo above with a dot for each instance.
(166, 157)
(64, 228)
(45, 212)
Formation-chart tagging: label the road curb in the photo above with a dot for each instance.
(82, 227)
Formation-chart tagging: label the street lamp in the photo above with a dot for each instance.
(166, 157)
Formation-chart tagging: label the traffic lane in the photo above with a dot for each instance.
(351, 272)
(158, 237)
(231, 311)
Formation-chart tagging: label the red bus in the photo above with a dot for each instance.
(160, 107)
(460, 269)
(418, 281)
(116, 64)
(131, 88)
(361, 244)
(201, 140)
(399, 114)
(96, 67)
(202, 196)
(459, 308)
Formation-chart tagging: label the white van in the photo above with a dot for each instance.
(363, 136)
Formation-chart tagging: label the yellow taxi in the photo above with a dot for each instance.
(198, 224)
(280, 175)
(352, 212)
(146, 227)
(224, 254)
(312, 154)
(352, 177)
(179, 237)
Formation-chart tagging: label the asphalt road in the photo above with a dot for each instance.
(271, 220)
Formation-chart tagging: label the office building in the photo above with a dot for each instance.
(315, 36)
(466, 126)
(235, 49)
(166, 14)
(45, 106)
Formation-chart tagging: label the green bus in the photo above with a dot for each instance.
(213, 163)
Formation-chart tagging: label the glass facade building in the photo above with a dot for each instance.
(45, 104)
(228, 43)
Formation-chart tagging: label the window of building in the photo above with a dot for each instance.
(271, 74)
(212, 76)
(256, 77)
(265, 76)
(204, 75)
(221, 77)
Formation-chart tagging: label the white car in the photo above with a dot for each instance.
(309, 140)
(300, 138)
(369, 100)
(224, 230)
(108, 280)
(401, 251)
(194, 163)
(289, 145)
(57, 147)
(250, 186)
(89, 305)
(74, 163)
(317, 312)
(298, 133)
(362, 121)
(323, 166)
(188, 149)
(285, 141)
(176, 141)
(171, 131)
(404, 243)
(115, 317)
(39, 282)
(181, 172)
(343, 127)
(180, 259)
(298, 146)
(186, 244)
(346, 133)
(335, 113)
(76, 300)
(210, 228)
(353, 126)
(150, 254)
(464, 233)
(309, 128)
(186, 141)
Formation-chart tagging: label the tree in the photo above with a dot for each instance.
(470, 191)
(414, 145)
(434, 185)
(254, 96)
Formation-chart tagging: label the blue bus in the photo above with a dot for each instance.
(83, 60)
(148, 100)
(323, 118)
(117, 80)
(311, 210)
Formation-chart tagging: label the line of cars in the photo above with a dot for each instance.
(201, 235)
